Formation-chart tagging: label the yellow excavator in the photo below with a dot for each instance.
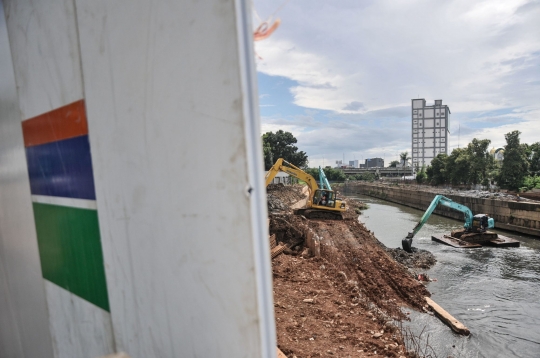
(322, 203)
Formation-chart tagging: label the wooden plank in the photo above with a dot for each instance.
(277, 250)
(273, 241)
(447, 318)
(280, 354)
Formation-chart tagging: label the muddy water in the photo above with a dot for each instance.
(494, 292)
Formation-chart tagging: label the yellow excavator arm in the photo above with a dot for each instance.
(282, 165)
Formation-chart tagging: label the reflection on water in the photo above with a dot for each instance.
(495, 292)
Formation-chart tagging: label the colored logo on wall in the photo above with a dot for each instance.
(64, 201)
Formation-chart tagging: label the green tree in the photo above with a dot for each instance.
(436, 172)
(334, 174)
(457, 166)
(404, 157)
(281, 145)
(480, 161)
(515, 164)
(331, 174)
(393, 164)
(534, 164)
(421, 176)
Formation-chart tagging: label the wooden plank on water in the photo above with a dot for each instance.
(447, 318)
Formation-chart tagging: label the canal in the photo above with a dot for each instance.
(495, 292)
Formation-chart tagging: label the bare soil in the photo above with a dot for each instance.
(344, 303)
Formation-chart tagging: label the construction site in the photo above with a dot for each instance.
(137, 221)
(337, 291)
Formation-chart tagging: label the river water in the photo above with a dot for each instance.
(495, 292)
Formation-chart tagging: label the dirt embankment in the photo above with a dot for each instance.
(342, 303)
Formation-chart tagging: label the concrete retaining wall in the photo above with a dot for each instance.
(515, 216)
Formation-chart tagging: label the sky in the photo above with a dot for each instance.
(340, 75)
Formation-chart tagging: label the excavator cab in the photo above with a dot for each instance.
(482, 222)
(330, 198)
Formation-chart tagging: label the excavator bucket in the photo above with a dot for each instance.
(407, 244)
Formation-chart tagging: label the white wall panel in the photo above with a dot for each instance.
(43, 37)
(81, 319)
(24, 326)
(429, 113)
(163, 90)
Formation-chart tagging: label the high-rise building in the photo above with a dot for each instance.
(429, 131)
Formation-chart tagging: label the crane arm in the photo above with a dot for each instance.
(282, 165)
(323, 181)
(439, 199)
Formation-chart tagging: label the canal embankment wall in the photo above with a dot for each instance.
(523, 217)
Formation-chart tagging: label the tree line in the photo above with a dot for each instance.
(473, 164)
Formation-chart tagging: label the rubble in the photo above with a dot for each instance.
(417, 259)
(280, 197)
(473, 193)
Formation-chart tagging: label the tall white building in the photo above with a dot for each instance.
(429, 131)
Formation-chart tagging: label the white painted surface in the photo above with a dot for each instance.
(72, 203)
(164, 86)
(43, 35)
(24, 330)
(89, 324)
(43, 38)
(257, 186)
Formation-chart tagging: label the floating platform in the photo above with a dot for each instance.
(501, 241)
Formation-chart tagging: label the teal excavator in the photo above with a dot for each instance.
(323, 182)
(474, 229)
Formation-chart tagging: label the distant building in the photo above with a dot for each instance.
(353, 163)
(429, 131)
(374, 163)
(282, 178)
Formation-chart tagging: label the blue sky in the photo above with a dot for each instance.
(341, 75)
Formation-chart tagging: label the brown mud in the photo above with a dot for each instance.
(345, 302)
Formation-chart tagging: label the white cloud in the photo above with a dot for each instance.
(363, 57)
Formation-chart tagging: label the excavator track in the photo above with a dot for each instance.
(319, 214)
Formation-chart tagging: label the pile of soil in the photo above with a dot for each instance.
(280, 197)
(345, 302)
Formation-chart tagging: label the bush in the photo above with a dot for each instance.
(531, 182)
(421, 176)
